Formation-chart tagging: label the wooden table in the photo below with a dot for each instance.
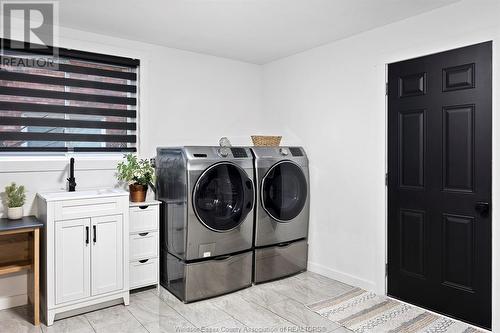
(19, 251)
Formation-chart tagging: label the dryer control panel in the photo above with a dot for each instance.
(294, 153)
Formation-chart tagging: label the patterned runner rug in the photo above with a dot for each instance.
(362, 311)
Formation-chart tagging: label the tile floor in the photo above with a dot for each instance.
(272, 307)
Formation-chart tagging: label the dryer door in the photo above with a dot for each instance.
(223, 196)
(284, 191)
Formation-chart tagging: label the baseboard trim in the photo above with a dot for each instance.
(13, 301)
(341, 276)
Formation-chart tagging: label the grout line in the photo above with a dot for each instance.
(219, 322)
(174, 308)
(341, 327)
(244, 299)
(142, 325)
(289, 320)
(126, 307)
(269, 310)
(168, 305)
(92, 326)
(230, 315)
(88, 322)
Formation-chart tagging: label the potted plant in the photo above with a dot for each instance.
(139, 174)
(16, 197)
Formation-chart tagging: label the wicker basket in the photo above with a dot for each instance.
(266, 140)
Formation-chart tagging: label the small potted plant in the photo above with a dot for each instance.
(16, 197)
(139, 174)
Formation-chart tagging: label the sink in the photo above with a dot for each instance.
(84, 194)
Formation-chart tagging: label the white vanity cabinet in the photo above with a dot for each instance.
(85, 250)
(144, 244)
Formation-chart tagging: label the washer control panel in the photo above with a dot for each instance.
(284, 151)
(239, 152)
(216, 152)
(296, 151)
(223, 152)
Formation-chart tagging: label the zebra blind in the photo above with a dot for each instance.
(85, 102)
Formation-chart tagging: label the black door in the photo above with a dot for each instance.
(223, 196)
(439, 182)
(284, 191)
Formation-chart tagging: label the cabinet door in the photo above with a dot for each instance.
(107, 254)
(72, 260)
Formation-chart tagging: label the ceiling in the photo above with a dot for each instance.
(255, 31)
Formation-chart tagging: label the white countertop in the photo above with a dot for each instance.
(84, 194)
(144, 203)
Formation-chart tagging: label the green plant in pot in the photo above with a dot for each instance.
(16, 197)
(138, 173)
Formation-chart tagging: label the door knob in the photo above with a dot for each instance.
(483, 208)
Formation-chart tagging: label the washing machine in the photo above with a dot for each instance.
(281, 213)
(206, 220)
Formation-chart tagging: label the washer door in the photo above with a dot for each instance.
(223, 197)
(284, 191)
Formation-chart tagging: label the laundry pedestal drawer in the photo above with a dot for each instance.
(274, 262)
(208, 278)
(144, 244)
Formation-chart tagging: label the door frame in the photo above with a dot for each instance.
(381, 255)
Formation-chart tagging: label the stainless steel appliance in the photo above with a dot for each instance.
(282, 212)
(206, 220)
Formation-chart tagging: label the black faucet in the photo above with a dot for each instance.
(71, 179)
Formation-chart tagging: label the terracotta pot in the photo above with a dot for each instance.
(15, 213)
(138, 192)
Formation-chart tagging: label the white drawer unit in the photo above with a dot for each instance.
(84, 251)
(144, 244)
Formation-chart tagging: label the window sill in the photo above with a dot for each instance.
(47, 163)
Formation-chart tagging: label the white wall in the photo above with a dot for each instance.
(331, 99)
(185, 98)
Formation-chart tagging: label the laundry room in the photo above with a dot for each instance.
(249, 166)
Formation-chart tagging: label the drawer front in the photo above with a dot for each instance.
(74, 209)
(143, 245)
(275, 262)
(143, 219)
(143, 273)
(218, 276)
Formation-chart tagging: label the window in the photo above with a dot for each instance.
(87, 102)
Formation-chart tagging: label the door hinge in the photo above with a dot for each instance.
(386, 88)
(386, 179)
(386, 269)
